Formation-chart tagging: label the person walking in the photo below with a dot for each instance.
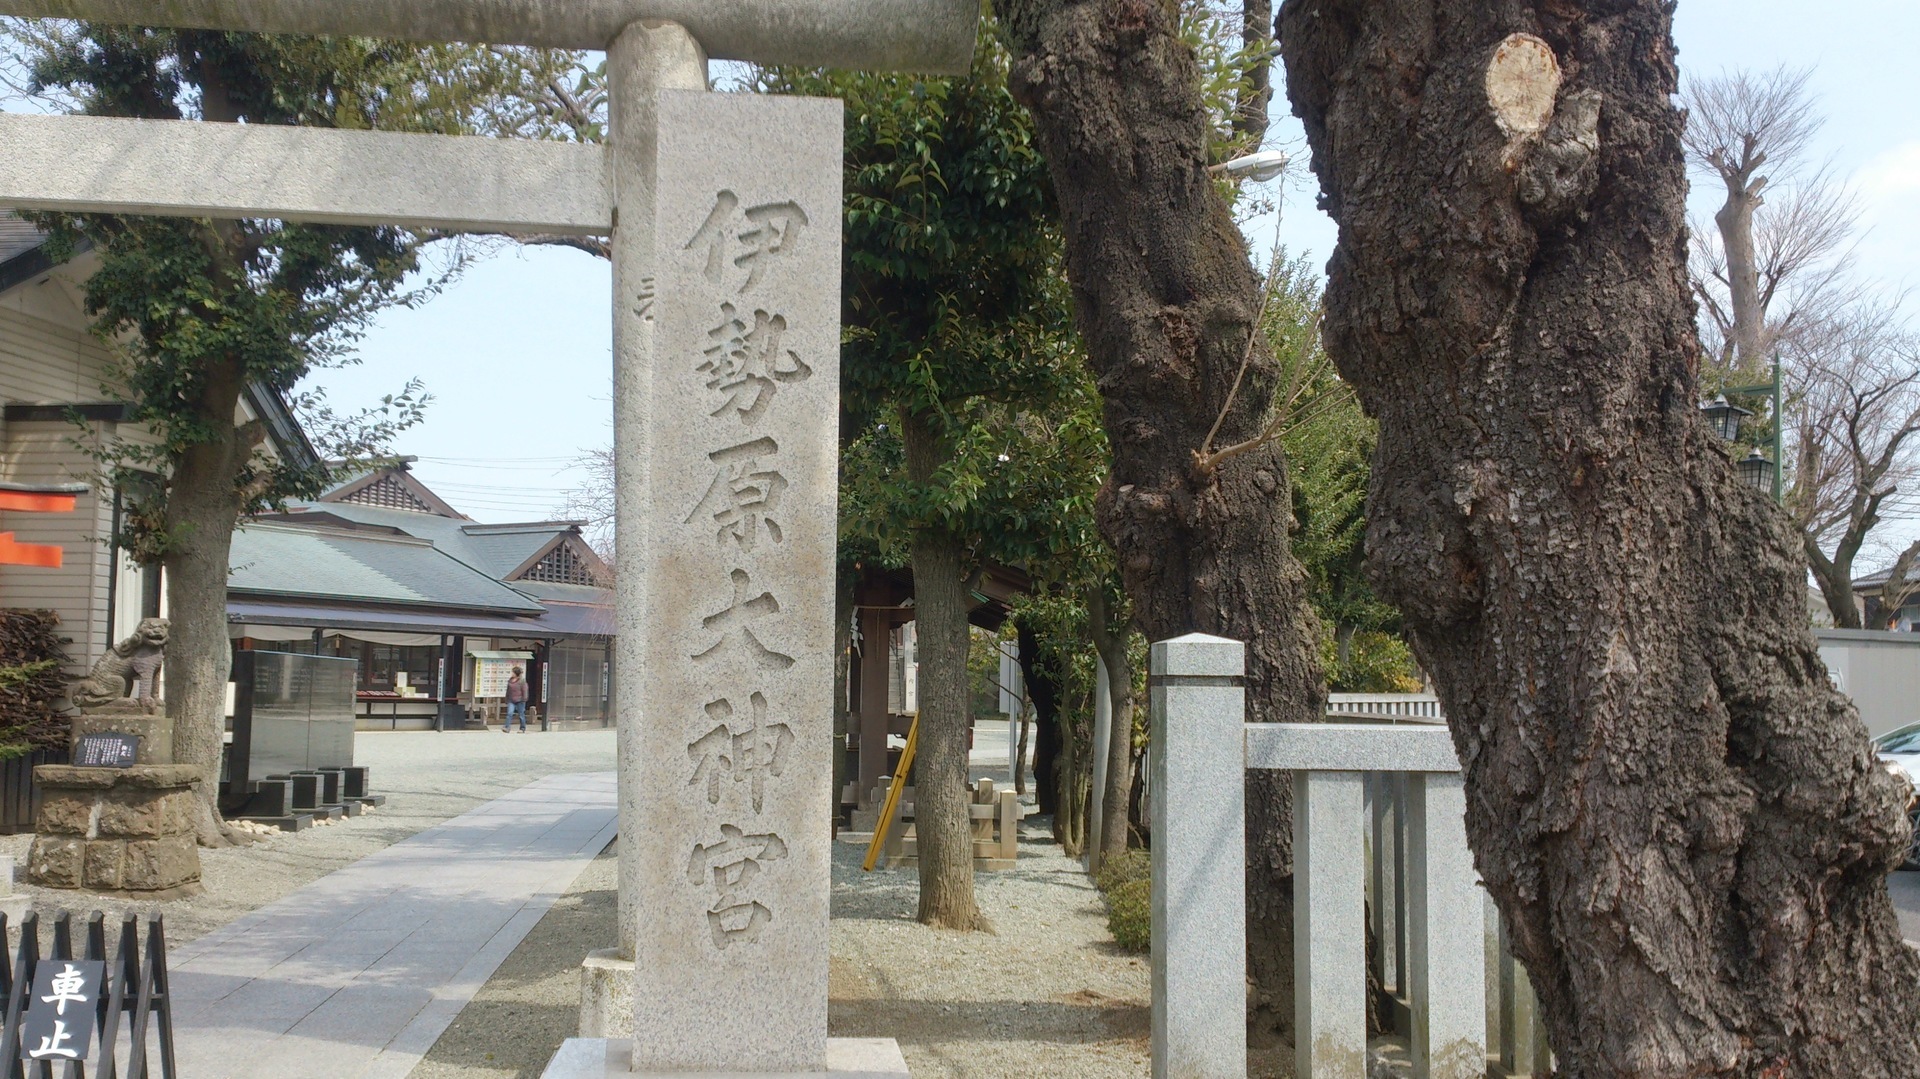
(516, 702)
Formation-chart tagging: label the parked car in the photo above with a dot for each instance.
(1899, 752)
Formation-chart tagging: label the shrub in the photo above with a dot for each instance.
(30, 683)
(1132, 865)
(1130, 915)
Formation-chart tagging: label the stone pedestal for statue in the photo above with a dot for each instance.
(155, 731)
(117, 831)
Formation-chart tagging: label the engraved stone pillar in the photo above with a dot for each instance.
(727, 263)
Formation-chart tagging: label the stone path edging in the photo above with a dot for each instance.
(360, 972)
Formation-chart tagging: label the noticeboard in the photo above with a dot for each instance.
(108, 749)
(492, 669)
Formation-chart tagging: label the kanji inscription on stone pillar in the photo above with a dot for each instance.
(730, 955)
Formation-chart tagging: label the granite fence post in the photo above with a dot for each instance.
(1447, 915)
(1329, 926)
(1198, 770)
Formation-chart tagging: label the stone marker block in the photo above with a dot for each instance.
(726, 860)
(273, 799)
(353, 783)
(329, 789)
(304, 791)
(606, 995)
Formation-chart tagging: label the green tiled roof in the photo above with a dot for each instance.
(496, 550)
(287, 560)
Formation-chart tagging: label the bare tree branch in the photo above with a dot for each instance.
(1855, 385)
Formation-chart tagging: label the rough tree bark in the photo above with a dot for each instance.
(941, 824)
(1676, 810)
(1165, 297)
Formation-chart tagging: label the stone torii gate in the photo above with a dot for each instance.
(724, 216)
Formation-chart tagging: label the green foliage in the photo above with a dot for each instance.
(201, 306)
(955, 313)
(31, 684)
(1123, 868)
(1130, 915)
(1375, 662)
(1329, 442)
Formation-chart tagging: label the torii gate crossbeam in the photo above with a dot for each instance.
(723, 211)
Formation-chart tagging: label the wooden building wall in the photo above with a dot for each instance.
(47, 356)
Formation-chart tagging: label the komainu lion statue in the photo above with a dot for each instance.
(129, 668)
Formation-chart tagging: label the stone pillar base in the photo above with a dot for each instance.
(117, 831)
(606, 995)
(612, 1058)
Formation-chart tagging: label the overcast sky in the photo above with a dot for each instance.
(517, 353)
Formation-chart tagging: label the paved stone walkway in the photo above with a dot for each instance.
(356, 975)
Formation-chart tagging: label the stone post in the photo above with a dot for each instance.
(1198, 761)
(1329, 926)
(727, 259)
(1446, 911)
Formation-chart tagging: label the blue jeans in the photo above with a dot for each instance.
(515, 708)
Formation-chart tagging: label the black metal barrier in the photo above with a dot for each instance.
(125, 983)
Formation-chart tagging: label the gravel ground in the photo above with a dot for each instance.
(427, 778)
(1045, 994)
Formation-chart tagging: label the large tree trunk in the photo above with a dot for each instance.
(1835, 578)
(1045, 696)
(203, 502)
(1112, 646)
(1165, 297)
(1734, 220)
(1675, 809)
(942, 825)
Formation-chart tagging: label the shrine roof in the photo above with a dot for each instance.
(327, 563)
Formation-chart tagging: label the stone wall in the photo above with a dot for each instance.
(126, 831)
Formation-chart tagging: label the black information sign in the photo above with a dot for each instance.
(109, 750)
(61, 1009)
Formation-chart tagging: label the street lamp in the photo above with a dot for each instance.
(1259, 167)
(1772, 468)
(1724, 418)
(1758, 473)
